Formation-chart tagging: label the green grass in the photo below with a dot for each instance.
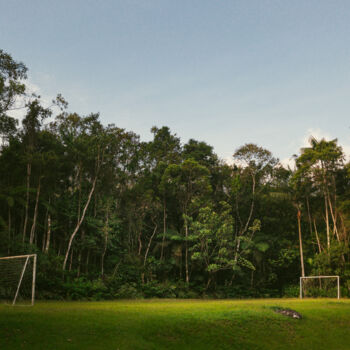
(176, 324)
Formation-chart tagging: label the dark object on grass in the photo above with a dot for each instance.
(288, 312)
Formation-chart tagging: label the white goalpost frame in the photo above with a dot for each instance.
(28, 256)
(310, 277)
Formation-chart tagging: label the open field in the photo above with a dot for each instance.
(176, 324)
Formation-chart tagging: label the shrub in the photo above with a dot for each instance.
(128, 291)
(82, 289)
(291, 291)
(159, 290)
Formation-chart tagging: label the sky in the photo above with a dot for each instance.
(227, 72)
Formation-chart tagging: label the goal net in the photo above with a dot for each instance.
(319, 286)
(17, 279)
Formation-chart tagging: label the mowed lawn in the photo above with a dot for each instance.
(176, 324)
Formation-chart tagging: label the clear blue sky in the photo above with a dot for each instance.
(226, 72)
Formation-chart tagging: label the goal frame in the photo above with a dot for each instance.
(311, 277)
(27, 256)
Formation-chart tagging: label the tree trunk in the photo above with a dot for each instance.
(317, 238)
(43, 238)
(301, 245)
(334, 218)
(345, 237)
(309, 214)
(59, 248)
(48, 236)
(29, 169)
(140, 242)
(246, 226)
(79, 195)
(208, 282)
(237, 249)
(32, 231)
(164, 229)
(251, 205)
(146, 253)
(116, 268)
(327, 222)
(106, 228)
(186, 254)
(80, 252)
(79, 223)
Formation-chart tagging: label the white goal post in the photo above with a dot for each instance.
(319, 278)
(17, 278)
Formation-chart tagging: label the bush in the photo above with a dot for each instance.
(128, 291)
(159, 290)
(291, 291)
(82, 289)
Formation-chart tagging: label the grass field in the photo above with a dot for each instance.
(176, 324)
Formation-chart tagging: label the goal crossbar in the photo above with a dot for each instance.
(314, 277)
(17, 256)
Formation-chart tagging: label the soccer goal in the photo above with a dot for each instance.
(319, 286)
(17, 279)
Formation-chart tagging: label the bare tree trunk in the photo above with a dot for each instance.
(309, 214)
(208, 282)
(301, 245)
(140, 242)
(246, 226)
(48, 236)
(251, 205)
(334, 219)
(29, 169)
(80, 252)
(79, 223)
(106, 228)
(116, 269)
(186, 254)
(317, 238)
(164, 229)
(79, 196)
(146, 253)
(344, 232)
(327, 222)
(32, 231)
(237, 248)
(43, 240)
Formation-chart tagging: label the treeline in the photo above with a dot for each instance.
(112, 216)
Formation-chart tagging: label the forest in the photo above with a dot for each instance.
(111, 216)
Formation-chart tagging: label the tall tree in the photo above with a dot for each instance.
(32, 122)
(12, 75)
(254, 166)
(190, 182)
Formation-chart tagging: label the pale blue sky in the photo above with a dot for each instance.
(226, 72)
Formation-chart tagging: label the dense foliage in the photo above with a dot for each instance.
(112, 216)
